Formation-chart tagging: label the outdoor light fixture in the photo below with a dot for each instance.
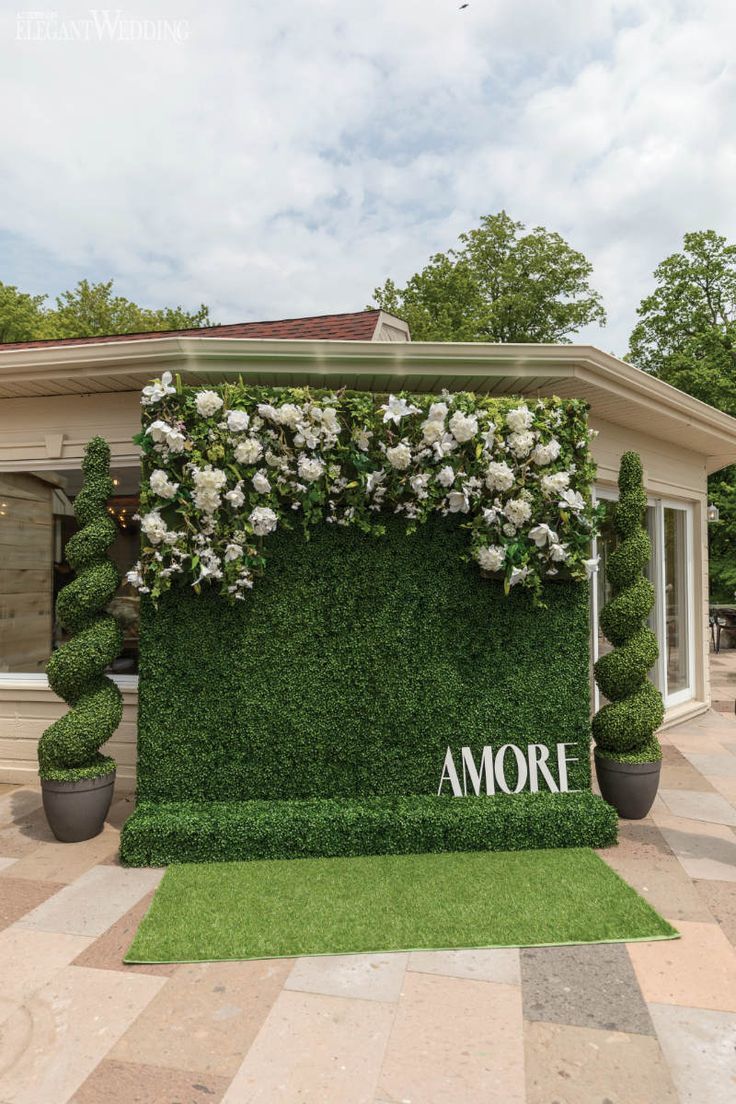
(713, 513)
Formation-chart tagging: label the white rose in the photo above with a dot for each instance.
(432, 431)
(555, 484)
(175, 440)
(463, 426)
(233, 552)
(542, 534)
(458, 502)
(418, 484)
(263, 520)
(289, 415)
(520, 444)
(265, 410)
(517, 510)
(208, 483)
(235, 497)
(158, 431)
(249, 451)
(446, 476)
(153, 527)
(519, 419)
(399, 456)
(545, 454)
(238, 421)
(499, 476)
(207, 403)
(329, 420)
(161, 485)
(437, 412)
(310, 470)
(261, 483)
(491, 558)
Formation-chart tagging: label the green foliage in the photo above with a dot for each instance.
(345, 674)
(501, 284)
(68, 749)
(229, 831)
(88, 310)
(686, 335)
(625, 727)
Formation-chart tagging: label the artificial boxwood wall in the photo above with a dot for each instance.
(351, 667)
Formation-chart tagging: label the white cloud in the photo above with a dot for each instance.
(290, 155)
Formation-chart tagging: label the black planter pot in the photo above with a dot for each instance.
(76, 811)
(630, 787)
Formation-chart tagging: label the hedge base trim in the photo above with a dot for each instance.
(180, 832)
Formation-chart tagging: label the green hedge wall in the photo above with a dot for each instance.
(351, 667)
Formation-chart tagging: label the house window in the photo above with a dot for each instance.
(36, 521)
(669, 525)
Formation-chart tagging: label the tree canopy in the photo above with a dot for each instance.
(500, 284)
(686, 335)
(88, 310)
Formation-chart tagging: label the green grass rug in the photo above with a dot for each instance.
(272, 908)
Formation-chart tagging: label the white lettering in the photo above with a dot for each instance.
(449, 774)
(476, 773)
(562, 761)
(520, 764)
(538, 756)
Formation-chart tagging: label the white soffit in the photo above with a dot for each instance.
(616, 391)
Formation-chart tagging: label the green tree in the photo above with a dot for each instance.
(20, 314)
(686, 335)
(500, 284)
(88, 310)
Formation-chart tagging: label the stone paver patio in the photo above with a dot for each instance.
(640, 1023)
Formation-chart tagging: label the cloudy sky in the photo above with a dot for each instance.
(282, 157)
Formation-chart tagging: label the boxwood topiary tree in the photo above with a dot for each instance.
(624, 728)
(69, 748)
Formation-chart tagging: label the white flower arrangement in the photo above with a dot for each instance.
(226, 468)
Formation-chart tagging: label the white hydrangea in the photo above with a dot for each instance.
(432, 431)
(161, 485)
(399, 456)
(437, 412)
(545, 454)
(309, 469)
(491, 557)
(264, 520)
(261, 483)
(519, 419)
(463, 426)
(289, 415)
(520, 444)
(499, 476)
(238, 421)
(249, 451)
(207, 403)
(518, 511)
(555, 483)
(265, 410)
(208, 483)
(153, 527)
(446, 476)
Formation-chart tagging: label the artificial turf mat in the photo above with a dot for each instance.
(275, 908)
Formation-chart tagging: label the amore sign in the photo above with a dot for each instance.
(532, 767)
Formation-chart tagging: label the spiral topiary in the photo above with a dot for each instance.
(624, 728)
(69, 748)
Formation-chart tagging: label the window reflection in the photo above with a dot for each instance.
(36, 521)
(675, 569)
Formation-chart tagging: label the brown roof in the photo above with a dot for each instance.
(359, 326)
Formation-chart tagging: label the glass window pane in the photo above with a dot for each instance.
(36, 521)
(676, 600)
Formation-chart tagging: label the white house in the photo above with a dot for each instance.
(55, 395)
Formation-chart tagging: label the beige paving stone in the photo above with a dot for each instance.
(664, 884)
(54, 1041)
(726, 787)
(28, 959)
(694, 805)
(700, 1048)
(364, 976)
(704, 849)
(582, 1065)
(496, 964)
(678, 773)
(5, 863)
(698, 970)
(127, 1083)
(638, 839)
(108, 950)
(18, 804)
(722, 766)
(206, 1017)
(720, 897)
(317, 1050)
(64, 862)
(93, 902)
(19, 896)
(25, 837)
(455, 1040)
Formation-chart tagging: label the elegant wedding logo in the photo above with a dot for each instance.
(99, 25)
(490, 774)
